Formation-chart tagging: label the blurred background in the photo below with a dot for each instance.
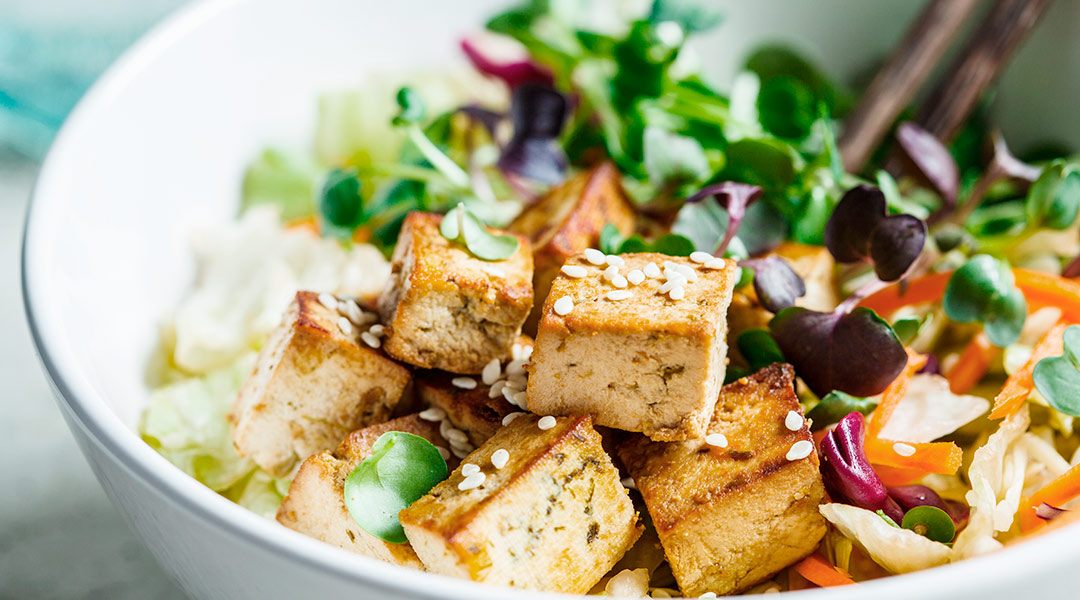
(59, 536)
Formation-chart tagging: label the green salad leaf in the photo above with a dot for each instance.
(461, 225)
(835, 406)
(282, 179)
(1058, 377)
(340, 203)
(690, 16)
(759, 349)
(930, 522)
(672, 159)
(1054, 199)
(612, 242)
(984, 290)
(401, 469)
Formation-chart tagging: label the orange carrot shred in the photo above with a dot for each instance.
(896, 476)
(1021, 383)
(820, 572)
(932, 457)
(1057, 492)
(972, 366)
(893, 394)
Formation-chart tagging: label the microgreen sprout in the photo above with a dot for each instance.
(411, 112)
(984, 290)
(462, 226)
(1058, 377)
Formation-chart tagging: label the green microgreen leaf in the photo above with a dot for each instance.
(411, 107)
(759, 348)
(689, 15)
(401, 469)
(787, 107)
(610, 239)
(906, 328)
(930, 522)
(984, 290)
(461, 225)
(340, 203)
(612, 242)
(672, 159)
(1058, 377)
(285, 180)
(835, 406)
(1054, 199)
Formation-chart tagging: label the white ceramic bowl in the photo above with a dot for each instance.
(160, 143)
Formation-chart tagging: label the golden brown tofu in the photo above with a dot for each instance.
(555, 517)
(568, 220)
(315, 505)
(313, 383)
(446, 309)
(639, 360)
(734, 512)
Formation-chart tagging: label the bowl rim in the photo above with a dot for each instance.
(86, 408)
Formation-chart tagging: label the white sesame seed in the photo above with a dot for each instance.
(491, 372)
(677, 293)
(716, 263)
(520, 398)
(611, 272)
(459, 452)
(494, 271)
(433, 414)
(793, 421)
(345, 326)
(716, 439)
(563, 306)
(516, 367)
(496, 389)
(800, 450)
(508, 419)
(903, 449)
(667, 286)
(472, 481)
(444, 429)
(629, 483)
(574, 271)
(619, 281)
(443, 452)
(499, 458)
(616, 295)
(687, 272)
(518, 381)
(457, 444)
(595, 256)
(465, 383)
(652, 270)
(614, 260)
(673, 276)
(546, 423)
(370, 339)
(352, 311)
(708, 595)
(515, 351)
(508, 394)
(469, 468)
(456, 436)
(701, 257)
(328, 300)
(635, 277)
(526, 353)
(377, 330)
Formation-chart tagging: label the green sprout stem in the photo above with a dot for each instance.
(437, 158)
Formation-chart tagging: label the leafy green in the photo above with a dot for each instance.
(401, 469)
(1054, 199)
(984, 290)
(690, 16)
(835, 406)
(931, 522)
(759, 348)
(906, 328)
(1058, 377)
(672, 159)
(775, 61)
(284, 180)
(461, 225)
(787, 108)
(671, 244)
(340, 203)
(411, 107)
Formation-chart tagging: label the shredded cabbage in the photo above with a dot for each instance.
(930, 410)
(286, 180)
(896, 549)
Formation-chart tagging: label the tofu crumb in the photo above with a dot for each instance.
(635, 277)
(793, 421)
(563, 306)
(433, 414)
(800, 450)
(465, 383)
(468, 469)
(472, 481)
(716, 439)
(903, 449)
(700, 257)
(595, 256)
(616, 295)
(500, 457)
(491, 372)
(574, 271)
(546, 423)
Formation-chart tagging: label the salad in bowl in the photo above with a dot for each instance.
(577, 321)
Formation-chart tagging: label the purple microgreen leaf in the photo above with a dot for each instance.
(895, 244)
(514, 73)
(489, 119)
(932, 159)
(847, 473)
(847, 233)
(537, 113)
(734, 197)
(777, 285)
(1007, 164)
(1049, 512)
(857, 352)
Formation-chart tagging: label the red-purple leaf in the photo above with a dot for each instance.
(861, 230)
(857, 352)
(847, 473)
(895, 244)
(734, 197)
(538, 113)
(932, 159)
(777, 285)
(514, 73)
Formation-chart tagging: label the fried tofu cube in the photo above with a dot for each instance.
(734, 509)
(313, 383)
(446, 309)
(555, 517)
(315, 505)
(637, 360)
(569, 219)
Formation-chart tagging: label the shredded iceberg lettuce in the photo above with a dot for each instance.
(286, 180)
(896, 549)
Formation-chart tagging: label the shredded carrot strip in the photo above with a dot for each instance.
(973, 364)
(932, 457)
(893, 394)
(929, 288)
(1021, 383)
(1057, 492)
(821, 573)
(894, 476)
(305, 223)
